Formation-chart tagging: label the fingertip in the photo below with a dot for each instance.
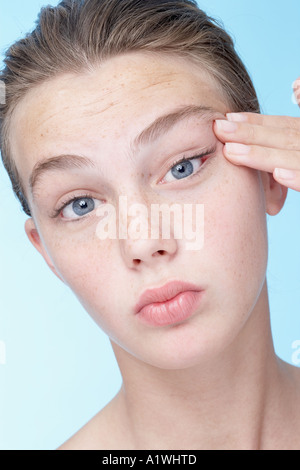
(237, 117)
(283, 174)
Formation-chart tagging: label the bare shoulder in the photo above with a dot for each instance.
(91, 436)
(104, 431)
(88, 436)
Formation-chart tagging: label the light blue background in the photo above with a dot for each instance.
(60, 369)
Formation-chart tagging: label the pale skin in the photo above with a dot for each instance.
(267, 143)
(212, 381)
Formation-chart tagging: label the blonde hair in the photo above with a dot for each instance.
(77, 34)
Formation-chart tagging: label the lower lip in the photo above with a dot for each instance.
(179, 308)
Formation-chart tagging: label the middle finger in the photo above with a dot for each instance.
(242, 132)
(262, 158)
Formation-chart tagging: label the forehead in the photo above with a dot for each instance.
(114, 101)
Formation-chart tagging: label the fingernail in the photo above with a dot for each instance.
(236, 117)
(284, 174)
(226, 126)
(237, 149)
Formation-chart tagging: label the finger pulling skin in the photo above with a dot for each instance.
(286, 138)
(265, 148)
(289, 178)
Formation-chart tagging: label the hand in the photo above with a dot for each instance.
(267, 143)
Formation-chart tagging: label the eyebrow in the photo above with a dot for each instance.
(60, 162)
(164, 123)
(159, 126)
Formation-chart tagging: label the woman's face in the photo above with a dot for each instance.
(98, 116)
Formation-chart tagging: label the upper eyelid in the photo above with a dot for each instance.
(199, 154)
(196, 154)
(184, 159)
(209, 152)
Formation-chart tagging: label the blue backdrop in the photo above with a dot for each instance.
(57, 368)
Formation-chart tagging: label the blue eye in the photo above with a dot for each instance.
(184, 168)
(188, 166)
(181, 170)
(83, 206)
(79, 207)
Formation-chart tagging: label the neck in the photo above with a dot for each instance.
(227, 402)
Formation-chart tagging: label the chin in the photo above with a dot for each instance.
(187, 346)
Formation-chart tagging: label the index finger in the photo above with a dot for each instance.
(266, 120)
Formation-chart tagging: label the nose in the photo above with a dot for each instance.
(148, 252)
(145, 245)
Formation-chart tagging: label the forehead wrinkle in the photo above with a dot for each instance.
(117, 100)
(116, 92)
(87, 113)
(163, 78)
(70, 107)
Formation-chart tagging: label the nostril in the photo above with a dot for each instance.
(136, 262)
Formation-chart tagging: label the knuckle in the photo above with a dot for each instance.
(292, 139)
(264, 153)
(252, 133)
(293, 123)
(248, 133)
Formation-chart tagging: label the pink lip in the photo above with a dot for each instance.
(171, 303)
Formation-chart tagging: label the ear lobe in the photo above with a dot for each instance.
(275, 193)
(34, 237)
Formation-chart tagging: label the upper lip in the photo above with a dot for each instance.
(162, 294)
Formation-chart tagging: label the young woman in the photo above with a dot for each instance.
(148, 101)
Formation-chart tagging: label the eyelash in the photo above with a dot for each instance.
(66, 202)
(206, 153)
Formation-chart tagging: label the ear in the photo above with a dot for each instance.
(275, 193)
(34, 237)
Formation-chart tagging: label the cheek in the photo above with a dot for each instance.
(237, 233)
(93, 274)
(86, 267)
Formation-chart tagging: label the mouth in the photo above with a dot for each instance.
(172, 303)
